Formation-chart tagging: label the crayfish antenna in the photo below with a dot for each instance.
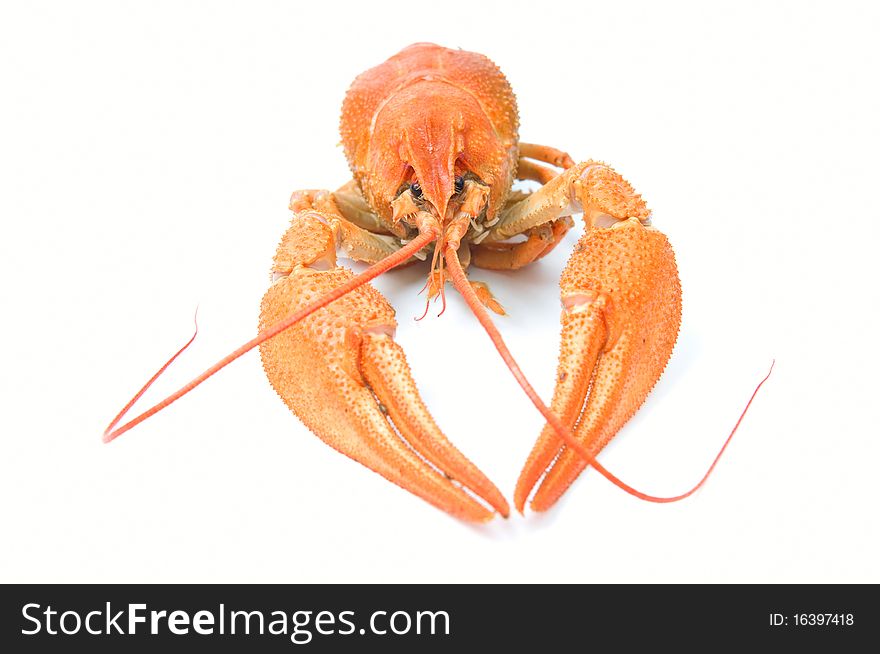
(108, 434)
(460, 281)
(442, 284)
(435, 285)
(386, 264)
(425, 312)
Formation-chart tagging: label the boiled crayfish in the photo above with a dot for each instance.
(431, 139)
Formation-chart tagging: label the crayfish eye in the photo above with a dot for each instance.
(459, 184)
(416, 190)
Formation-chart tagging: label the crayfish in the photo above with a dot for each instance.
(431, 136)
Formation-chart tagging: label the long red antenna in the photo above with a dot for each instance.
(461, 283)
(370, 273)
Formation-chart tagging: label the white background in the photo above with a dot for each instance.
(147, 152)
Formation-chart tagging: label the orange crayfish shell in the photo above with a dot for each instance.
(428, 114)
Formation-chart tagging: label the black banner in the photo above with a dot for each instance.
(318, 618)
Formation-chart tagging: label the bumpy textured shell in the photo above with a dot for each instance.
(427, 114)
